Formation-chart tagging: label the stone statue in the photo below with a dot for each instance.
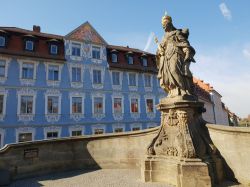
(173, 58)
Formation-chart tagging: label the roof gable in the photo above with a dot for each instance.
(86, 32)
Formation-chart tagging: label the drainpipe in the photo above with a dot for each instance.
(212, 99)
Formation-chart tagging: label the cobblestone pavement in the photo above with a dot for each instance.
(98, 178)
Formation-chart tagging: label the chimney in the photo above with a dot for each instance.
(36, 28)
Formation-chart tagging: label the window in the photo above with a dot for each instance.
(114, 58)
(130, 59)
(26, 105)
(134, 105)
(135, 128)
(132, 79)
(2, 41)
(76, 49)
(1, 105)
(53, 49)
(98, 105)
(53, 73)
(27, 71)
(53, 104)
(97, 78)
(76, 74)
(147, 79)
(29, 45)
(118, 129)
(150, 105)
(98, 131)
(116, 78)
(117, 105)
(76, 105)
(2, 68)
(51, 135)
(144, 62)
(24, 137)
(96, 52)
(76, 133)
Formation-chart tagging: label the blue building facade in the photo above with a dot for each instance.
(90, 88)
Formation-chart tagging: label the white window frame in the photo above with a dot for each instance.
(27, 82)
(116, 87)
(114, 126)
(98, 126)
(26, 42)
(7, 62)
(101, 115)
(76, 84)
(76, 116)
(76, 128)
(2, 132)
(117, 116)
(148, 88)
(100, 68)
(51, 51)
(53, 117)
(71, 48)
(98, 61)
(150, 115)
(53, 82)
(135, 125)
(135, 115)
(3, 92)
(26, 92)
(52, 129)
(133, 88)
(25, 130)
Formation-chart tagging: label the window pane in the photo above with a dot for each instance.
(98, 105)
(53, 105)
(27, 71)
(135, 128)
(114, 57)
(98, 131)
(26, 105)
(53, 73)
(97, 77)
(132, 79)
(53, 49)
(144, 62)
(2, 68)
(76, 105)
(29, 45)
(24, 137)
(52, 135)
(134, 105)
(118, 129)
(147, 80)
(2, 43)
(116, 78)
(130, 60)
(76, 49)
(1, 104)
(96, 52)
(76, 133)
(76, 74)
(117, 105)
(149, 105)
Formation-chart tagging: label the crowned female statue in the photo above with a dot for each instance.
(173, 58)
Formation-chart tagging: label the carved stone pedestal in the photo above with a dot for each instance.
(178, 172)
(182, 152)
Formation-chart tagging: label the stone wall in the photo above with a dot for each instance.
(121, 150)
(233, 144)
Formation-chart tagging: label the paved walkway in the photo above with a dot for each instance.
(98, 178)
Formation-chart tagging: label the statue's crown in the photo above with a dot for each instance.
(166, 18)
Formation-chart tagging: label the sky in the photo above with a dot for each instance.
(219, 31)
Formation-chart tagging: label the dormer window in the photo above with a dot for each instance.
(130, 59)
(114, 58)
(2, 41)
(29, 45)
(53, 49)
(144, 62)
(96, 52)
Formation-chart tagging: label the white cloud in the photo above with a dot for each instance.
(225, 11)
(246, 53)
(149, 41)
(228, 72)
